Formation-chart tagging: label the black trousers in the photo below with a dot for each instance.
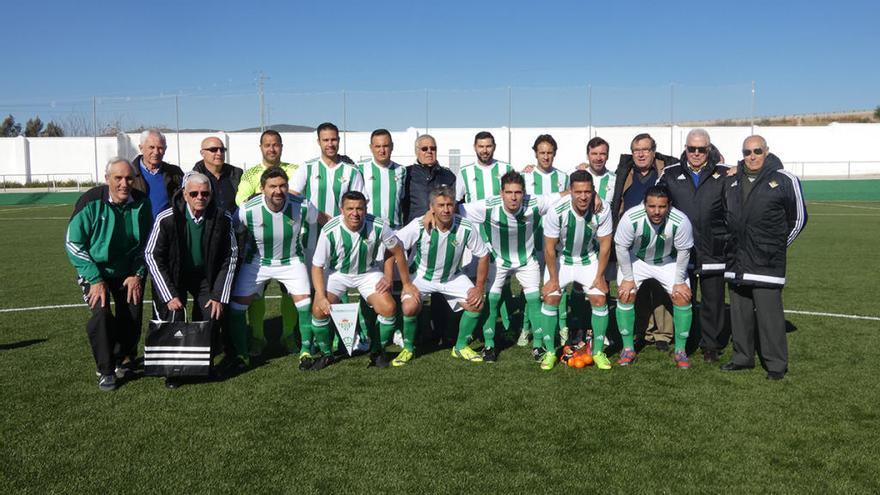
(711, 318)
(113, 336)
(758, 310)
(201, 293)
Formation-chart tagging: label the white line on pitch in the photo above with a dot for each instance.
(845, 206)
(825, 215)
(833, 315)
(8, 210)
(67, 218)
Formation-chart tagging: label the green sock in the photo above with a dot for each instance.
(466, 327)
(563, 315)
(410, 325)
(531, 314)
(379, 339)
(600, 324)
(289, 317)
(256, 312)
(549, 315)
(489, 327)
(238, 332)
(321, 332)
(304, 313)
(506, 305)
(626, 319)
(681, 318)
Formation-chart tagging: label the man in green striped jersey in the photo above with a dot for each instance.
(653, 241)
(582, 238)
(325, 179)
(276, 224)
(510, 222)
(597, 159)
(346, 257)
(436, 267)
(270, 148)
(383, 179)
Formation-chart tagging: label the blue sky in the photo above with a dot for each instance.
(804, 57)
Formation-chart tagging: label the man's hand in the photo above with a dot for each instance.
(626, 292)
(428, 220)
(731, 171)
(175, 304)
(97, 294)
(476, 296)
(528, 168)
(216, 308)
(410, 290)
(600, 283)
(133, 284)
(582, 166)
(549, 288)
(597, 204)
(323, 304)
(384, 285)
(682, 292)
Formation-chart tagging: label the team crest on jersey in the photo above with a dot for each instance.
(455, 242)
(774, 184)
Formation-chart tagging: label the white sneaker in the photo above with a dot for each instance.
(524, 339)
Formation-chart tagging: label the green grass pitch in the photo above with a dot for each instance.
(441, 425)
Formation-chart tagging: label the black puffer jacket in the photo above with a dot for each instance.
(704, 206)
(762, 225)
(166, 248)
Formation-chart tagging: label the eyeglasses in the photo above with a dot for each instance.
(756, 151)
(698, 149)
(215, 149)
(426, 149)
(204, 194)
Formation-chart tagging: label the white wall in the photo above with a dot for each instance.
(811, 151)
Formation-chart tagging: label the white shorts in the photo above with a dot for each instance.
(253, 276)
(665, 274)
(584, 275)
(338, 283)
(529, 276)
(454, 291)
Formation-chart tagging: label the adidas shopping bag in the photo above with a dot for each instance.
(178, 348)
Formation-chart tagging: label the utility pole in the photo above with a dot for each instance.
(753, 108)
(261, 79)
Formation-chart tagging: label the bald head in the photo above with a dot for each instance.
(755, 151)
(213, 153)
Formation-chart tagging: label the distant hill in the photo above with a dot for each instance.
(854, 116)
(281, 128)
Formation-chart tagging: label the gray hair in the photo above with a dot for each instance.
(197, 178)
(697, 133)
(423, 137)
(441, 191)
(757, 136)
(114, 160)
(153, 132)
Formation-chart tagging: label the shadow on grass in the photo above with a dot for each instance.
(21, 343)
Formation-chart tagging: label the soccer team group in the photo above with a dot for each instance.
(399, 234)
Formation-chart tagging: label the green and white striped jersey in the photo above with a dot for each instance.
(603, 184)
(540, 182)
(578, 235)
(276, 238)
(476, 182)
(349, 252)
(324, 186)
(511, 236)
(436, 256)
(383, 187)
(654, 244)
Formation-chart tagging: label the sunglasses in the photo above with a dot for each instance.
(426, 149)
(698, 149)
(215, 149)
(204, 194)
(756, 151)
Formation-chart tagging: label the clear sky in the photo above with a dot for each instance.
(803, 56)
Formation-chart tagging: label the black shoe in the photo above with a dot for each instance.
(379, 360)
(107, 382)
(775, 375)
(662, 346)
(489, 355)
(537, 353)
(171, 383)
(322, 362)
(306, 362)
(710, 356)
(731, 366)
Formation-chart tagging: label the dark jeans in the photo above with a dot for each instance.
(113, 336)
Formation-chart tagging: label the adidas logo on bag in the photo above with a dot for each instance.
(179, 334)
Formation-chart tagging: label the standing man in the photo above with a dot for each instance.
(422, 177)
(696, 187)
(509, 222)
(152, 176)
(271, 148)
(346, 257)
(276, 224)
(582, 239)
(192, 250)
(653, 241)
(383, 180)
(105, 244)
(597, 158)
(482, 178)
(224, 177)
(325, 179)
(765, 214)
(436, 265)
